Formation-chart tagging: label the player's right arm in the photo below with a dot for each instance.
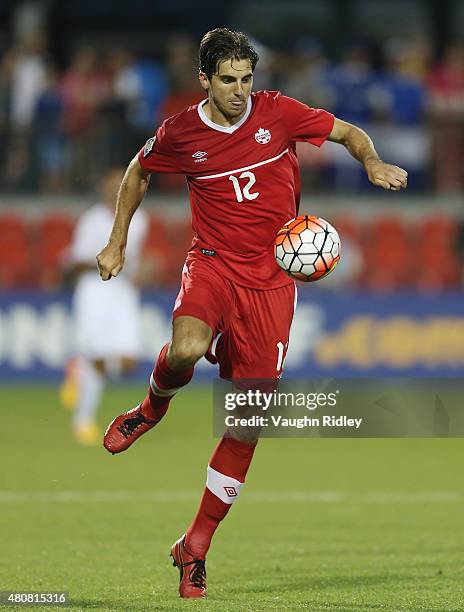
(134, 185)
(158, 155)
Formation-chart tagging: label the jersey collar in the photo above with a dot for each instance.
(222, 128)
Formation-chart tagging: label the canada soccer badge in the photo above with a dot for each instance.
(263, 136)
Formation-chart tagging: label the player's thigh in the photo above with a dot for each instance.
(205, 296)
(256, 344)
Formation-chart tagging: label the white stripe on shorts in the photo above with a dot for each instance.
(214, 344)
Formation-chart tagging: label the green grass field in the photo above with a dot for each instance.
(323, 524)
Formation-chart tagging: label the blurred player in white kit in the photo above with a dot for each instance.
(107, 315)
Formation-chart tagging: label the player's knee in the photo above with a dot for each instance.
(190, 341)
(185, 353)
(248, 435)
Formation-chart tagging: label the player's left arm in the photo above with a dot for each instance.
(362, 148)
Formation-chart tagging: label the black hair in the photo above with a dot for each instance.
(222, 44)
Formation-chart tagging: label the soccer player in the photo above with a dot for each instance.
(107, 316)
(237, 150)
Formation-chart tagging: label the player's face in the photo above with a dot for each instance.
(229, 89)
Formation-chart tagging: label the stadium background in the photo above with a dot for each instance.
(83, 84)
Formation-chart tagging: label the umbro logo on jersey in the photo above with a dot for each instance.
(263, 136)
(200, 156)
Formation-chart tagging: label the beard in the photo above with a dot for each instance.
(228, 110)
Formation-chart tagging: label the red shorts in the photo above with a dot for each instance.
(250, 327)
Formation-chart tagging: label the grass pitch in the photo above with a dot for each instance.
(322, 524)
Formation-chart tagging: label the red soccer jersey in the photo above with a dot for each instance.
(243, 180)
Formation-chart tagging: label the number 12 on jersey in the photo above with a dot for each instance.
(243, 192)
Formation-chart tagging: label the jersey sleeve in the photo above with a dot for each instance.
(305, 123)
(158, 155)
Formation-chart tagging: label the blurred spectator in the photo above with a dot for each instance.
(262, 77)
(351, 82)
(85, 88)
(132, 111)
(398, 96)
(446, 109)
(125, 81)
(107, 315)
(182, 68)
(398, 102)
(349, 86)
(51, 150)
(153, 86)
(303, 73)
(308, 75)
(114, 131)
(28, 80)
(27, 83)
(7, 63)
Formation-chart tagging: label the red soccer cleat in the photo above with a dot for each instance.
(193, 580)
(126, 428)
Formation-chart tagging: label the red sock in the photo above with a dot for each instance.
(226, 474)
(164, 383)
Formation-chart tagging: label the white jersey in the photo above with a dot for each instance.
(107, 313)
(92, 232)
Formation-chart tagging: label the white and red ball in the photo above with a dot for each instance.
(307, 248)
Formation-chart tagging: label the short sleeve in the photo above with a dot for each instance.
(305, 123)
(157, 155)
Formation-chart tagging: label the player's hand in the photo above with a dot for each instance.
(110, 261)
(386, 176)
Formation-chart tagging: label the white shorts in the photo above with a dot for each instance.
(107, 318)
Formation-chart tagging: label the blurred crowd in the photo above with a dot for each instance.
(62, 123)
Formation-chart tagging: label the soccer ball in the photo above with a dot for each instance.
(307, 248)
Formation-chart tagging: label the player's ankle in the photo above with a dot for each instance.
(195, 549)
(154, 407)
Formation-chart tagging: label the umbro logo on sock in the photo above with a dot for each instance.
(231, 491)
